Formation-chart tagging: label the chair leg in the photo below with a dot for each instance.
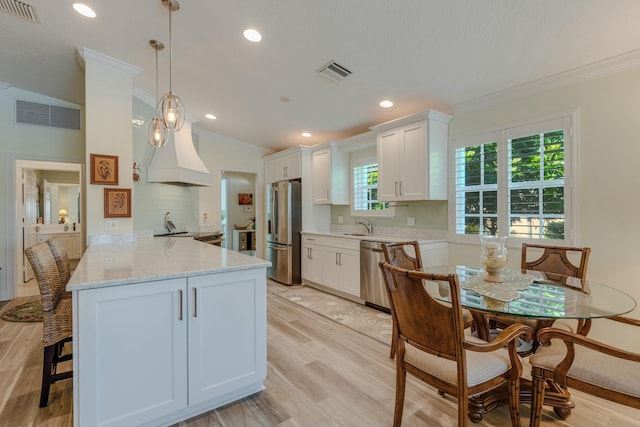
(537, 400)
(47, 366)
(514, 402)
(401, 379)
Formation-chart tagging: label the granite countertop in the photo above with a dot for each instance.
(158, 258)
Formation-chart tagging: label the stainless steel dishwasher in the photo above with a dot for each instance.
(372, 287)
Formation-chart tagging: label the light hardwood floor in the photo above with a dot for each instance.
(319, 374)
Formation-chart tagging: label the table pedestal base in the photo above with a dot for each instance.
(486, 402)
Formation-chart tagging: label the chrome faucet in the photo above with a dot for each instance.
(366, 224)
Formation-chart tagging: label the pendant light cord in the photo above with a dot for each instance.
(156, 98)
(170, 50)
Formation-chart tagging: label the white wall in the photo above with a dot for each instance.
(20, 141)
(220, 153)
(608, 185)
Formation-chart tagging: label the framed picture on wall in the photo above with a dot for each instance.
(245, 199)
(104, 169)
(117, 203)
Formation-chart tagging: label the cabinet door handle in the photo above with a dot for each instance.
(286, 171)
(328, 194)
(400, 188)
(310, 253)
(339, 258)
(337, 262)
(180, 304)
(395, 190)
(195, 302)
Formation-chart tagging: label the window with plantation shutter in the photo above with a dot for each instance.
(515, 182)
(364, 179)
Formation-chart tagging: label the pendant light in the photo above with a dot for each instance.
(170, 107)
(156, 132)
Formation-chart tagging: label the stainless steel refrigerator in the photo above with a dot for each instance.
(284, 222)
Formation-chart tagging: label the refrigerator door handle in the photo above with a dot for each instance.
(276, 248)
(274, 212)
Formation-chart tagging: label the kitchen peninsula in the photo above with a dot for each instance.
(165, 329)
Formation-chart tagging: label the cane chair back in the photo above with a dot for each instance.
(398, 255)
(433, 347)
(556, 262)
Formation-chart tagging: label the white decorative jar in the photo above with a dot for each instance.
(493, 257)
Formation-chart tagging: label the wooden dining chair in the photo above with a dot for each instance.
(567, 359)
(557, 262)
(61, 257)
(57, 325)
(433, 347)
(397, 254)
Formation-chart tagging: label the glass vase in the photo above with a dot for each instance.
(493, 257)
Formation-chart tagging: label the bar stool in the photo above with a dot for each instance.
(57, 324)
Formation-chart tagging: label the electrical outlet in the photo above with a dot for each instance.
(340, 219)
(411, 220)
(110, 225)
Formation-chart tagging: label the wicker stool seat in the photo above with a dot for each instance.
(57, 318)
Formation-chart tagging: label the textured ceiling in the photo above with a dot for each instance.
(419, 53)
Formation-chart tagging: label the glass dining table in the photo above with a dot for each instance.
(541, 296)
(533, 295)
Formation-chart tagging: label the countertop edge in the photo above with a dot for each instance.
(374, 238)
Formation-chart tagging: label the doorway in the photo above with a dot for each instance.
(238, 211)
(48, 197)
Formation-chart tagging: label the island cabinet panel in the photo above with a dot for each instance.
(133, 353)
(170, 349)
(227, 333)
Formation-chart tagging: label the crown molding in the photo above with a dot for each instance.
(84, 55)
(597, 69)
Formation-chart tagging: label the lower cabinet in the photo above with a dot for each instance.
(156, 352)
(342, 269)
(311, 260)
(332, 262)
(72, 242)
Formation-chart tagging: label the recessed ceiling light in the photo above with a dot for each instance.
(252, 35)
(306, 134)
(84, 10)
(386, 103)
(210, 116)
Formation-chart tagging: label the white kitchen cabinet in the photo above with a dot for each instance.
(312, 258)
(191, 344)
(142, 331)
(341, 265)
(72, 242)
(283, 167)
(222, 358)
(412, 158)
(330, 173)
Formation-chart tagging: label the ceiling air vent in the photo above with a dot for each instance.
(33, 113)
(19, 9)
(334, 71)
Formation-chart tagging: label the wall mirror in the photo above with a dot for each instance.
(61, 202)
(52, 197)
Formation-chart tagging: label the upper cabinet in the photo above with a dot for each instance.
(330, 174)
(283, 167)
(412, 157)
